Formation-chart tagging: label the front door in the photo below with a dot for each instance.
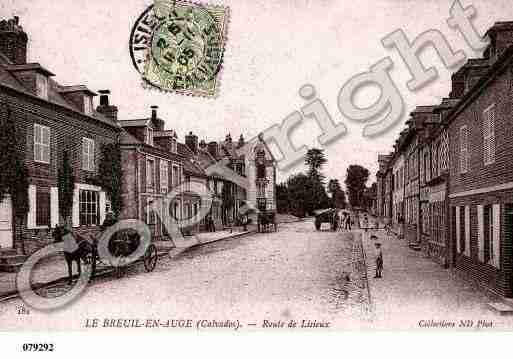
(6, 240)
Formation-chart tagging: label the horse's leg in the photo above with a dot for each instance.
(70, 270)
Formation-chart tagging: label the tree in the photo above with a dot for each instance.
(282, 198)
(13, 174)
(110, 174)
(299, 194)
(66, 187)
(338, 196)
(356, 179)
(315, 160)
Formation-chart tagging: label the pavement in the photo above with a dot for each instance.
(415, 289)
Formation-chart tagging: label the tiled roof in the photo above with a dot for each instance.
(8, 80)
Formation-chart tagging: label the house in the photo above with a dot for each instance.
(153, 166)
(481, 175)
(50, 119)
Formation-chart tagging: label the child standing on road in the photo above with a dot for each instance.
(379, 258)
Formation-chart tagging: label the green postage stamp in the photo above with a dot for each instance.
(178, 46)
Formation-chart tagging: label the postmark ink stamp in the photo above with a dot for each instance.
(178, 46)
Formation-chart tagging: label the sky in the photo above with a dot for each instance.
(272, 49)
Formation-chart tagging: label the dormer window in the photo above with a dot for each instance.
(42, 86)
(174, 146)
(149, 136)
(88, 105)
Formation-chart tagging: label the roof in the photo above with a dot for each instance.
(190, 163)
(34, 66)
(484, 81)
(135, 123)
(77, 88)
(8, 80)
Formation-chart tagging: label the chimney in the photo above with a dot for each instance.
(213, 149)
(191, 141)
(105, 108)
(13, 41)
(154, 112)
(158, 123)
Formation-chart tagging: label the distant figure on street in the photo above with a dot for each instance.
(365, 222)
(347, 225)
(379, 258)
(401, 227)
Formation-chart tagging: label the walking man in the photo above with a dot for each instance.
(379, 258)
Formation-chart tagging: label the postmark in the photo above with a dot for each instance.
(178, 46)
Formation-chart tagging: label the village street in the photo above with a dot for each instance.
(263, 280)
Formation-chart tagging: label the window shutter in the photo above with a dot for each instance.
(467, 231)
(496, 235)
(91, 155)
(464, 158)
(458, 229)
(142, 168)
(85, 154)
(75, 217)
(492, 135)
(102, 204)
(480, 232)
(46, 141)
(31, 217)
(54, 206)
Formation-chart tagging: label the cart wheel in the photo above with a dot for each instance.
(150, 258)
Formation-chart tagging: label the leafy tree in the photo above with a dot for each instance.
(338, 196)
(110, 174)
(315, 160)
(282, 198)
(13, 174)
(356, 179)
(299, 194)
(66, 187)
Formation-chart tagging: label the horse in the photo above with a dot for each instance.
(75, 252)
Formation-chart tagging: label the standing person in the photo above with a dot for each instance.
(401, 227)
(365, 222)
(379, 258)
(348, 222)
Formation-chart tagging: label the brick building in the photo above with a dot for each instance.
(481, 175)
(50, 119)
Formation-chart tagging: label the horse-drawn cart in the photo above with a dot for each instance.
(121, 247)
(266, 221)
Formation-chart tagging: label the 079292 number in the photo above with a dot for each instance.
(38, 347)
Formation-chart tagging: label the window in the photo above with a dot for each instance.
(149, 136)
(164, 176)
(89, 208)
(176, 176)
(464, 153)
(173, 146)
(151, 217)
(41, 143)
(42, 206)
(489, 135)
(88, 154)
(88, 105)
(42, 86)
(188, 183)
(492, 226)
(150, 175)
